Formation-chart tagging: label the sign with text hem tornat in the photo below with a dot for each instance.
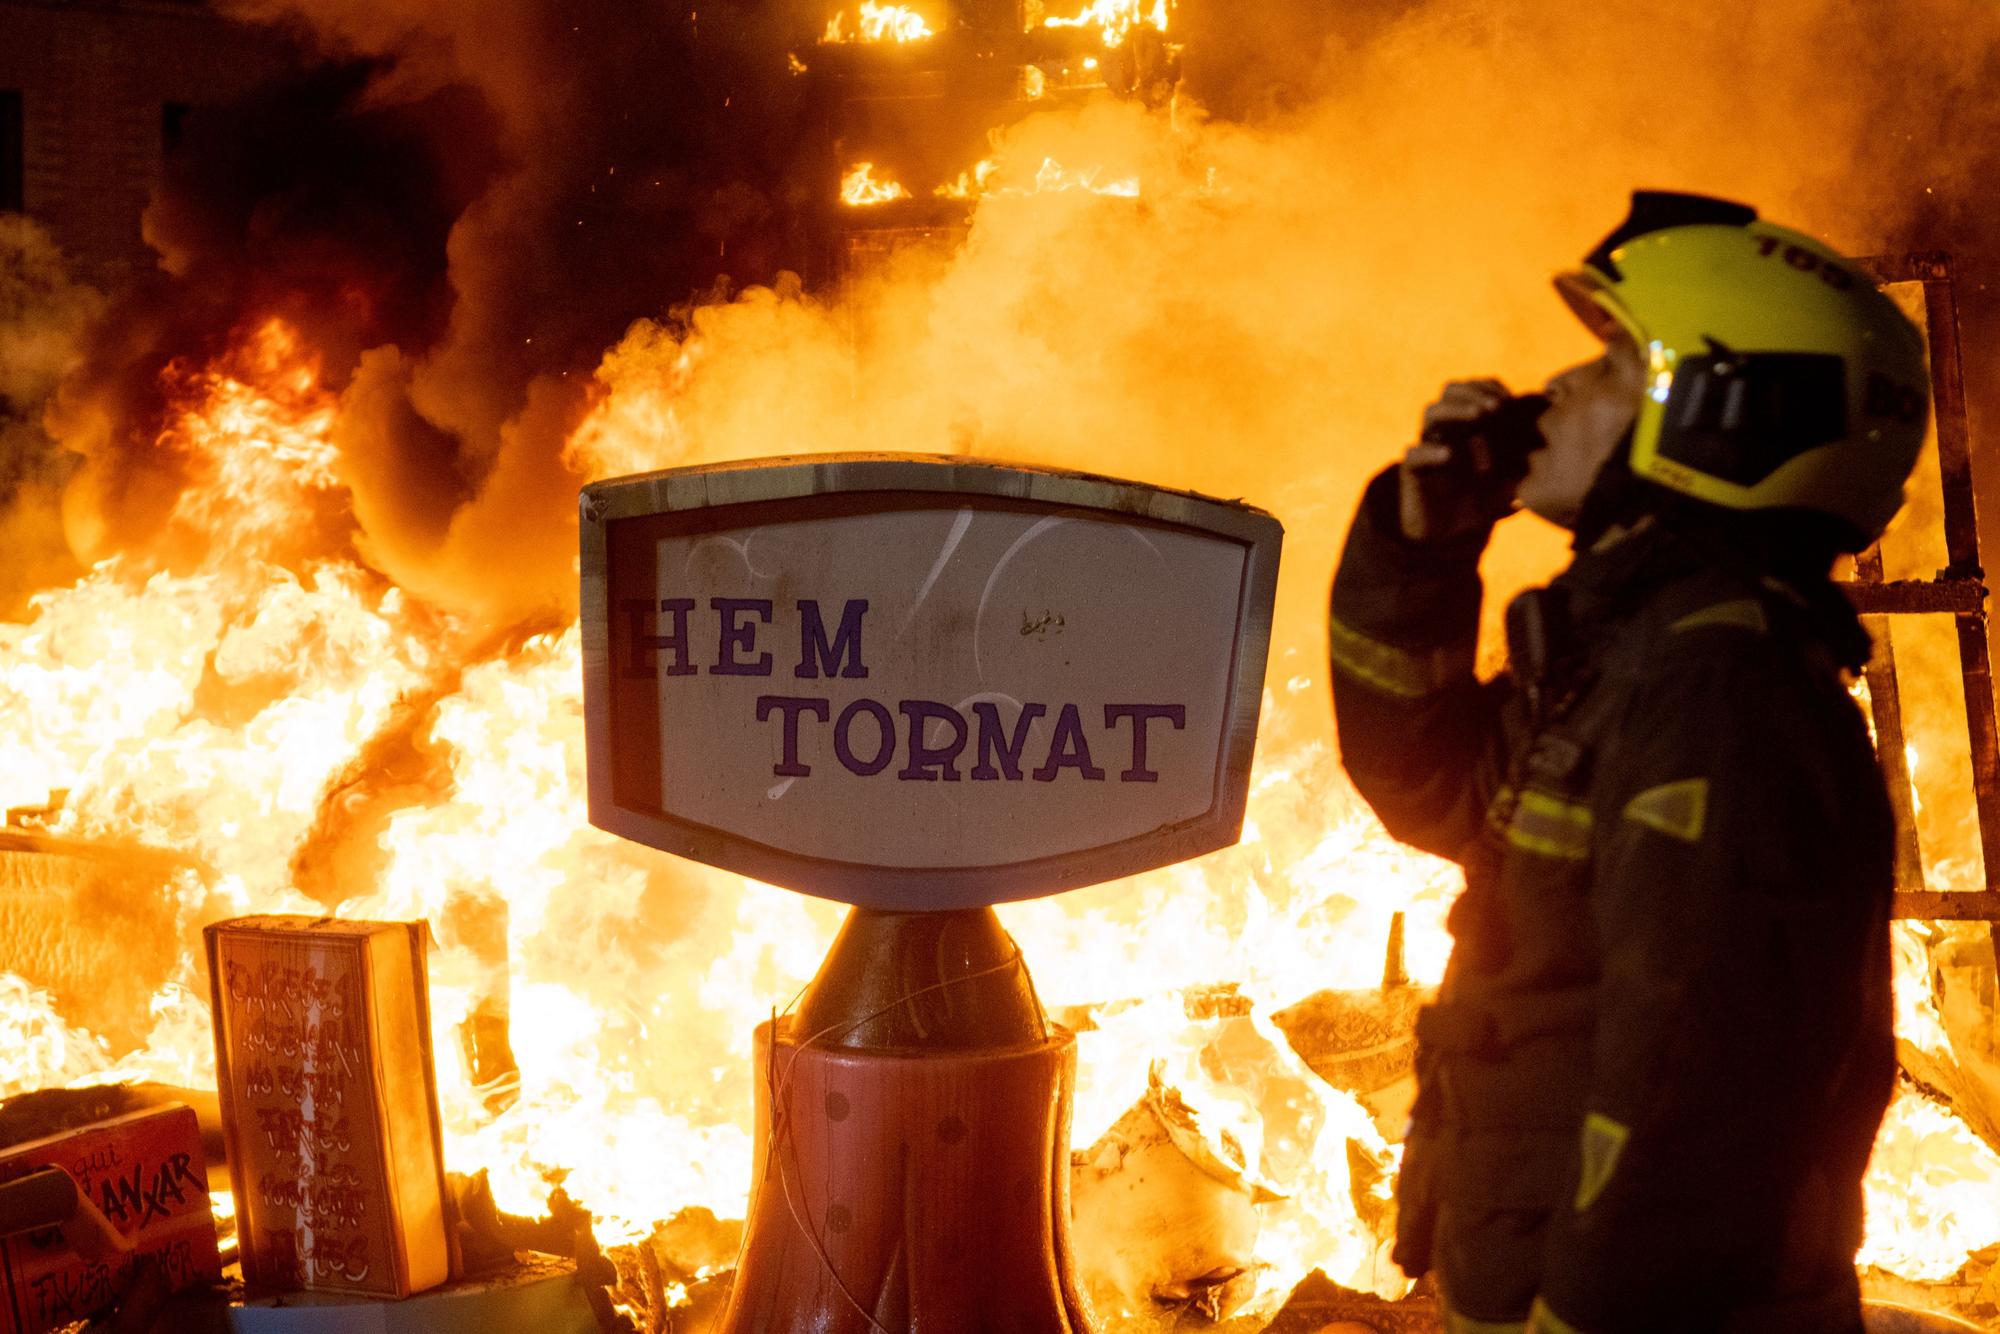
(920, 681)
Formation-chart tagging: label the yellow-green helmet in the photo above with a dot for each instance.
(1779, 376)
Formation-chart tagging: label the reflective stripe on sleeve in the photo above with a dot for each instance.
(1541, 1320)
(1603, 1140)
(1678, 809)
(1743, 613)
(1394, 671)
(1539, 823)
(1454, 1323)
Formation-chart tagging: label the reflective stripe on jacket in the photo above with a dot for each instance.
(1663, 1045)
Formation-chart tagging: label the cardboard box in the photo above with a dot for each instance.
(145, 1175)
(329, 1104)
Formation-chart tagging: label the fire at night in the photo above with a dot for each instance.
(670, 672)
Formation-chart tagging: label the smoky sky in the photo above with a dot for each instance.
(460, 213)
(464, 203)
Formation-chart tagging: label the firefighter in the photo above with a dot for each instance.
(1662, 1046)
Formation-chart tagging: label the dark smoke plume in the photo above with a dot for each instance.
(461, 212)
(305, 203)
(44, 318)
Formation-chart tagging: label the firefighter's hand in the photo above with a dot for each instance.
(1436, 501)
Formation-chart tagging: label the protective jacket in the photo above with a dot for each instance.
(1662, 1048)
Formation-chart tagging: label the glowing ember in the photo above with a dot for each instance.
(878, 23)
(860, 189)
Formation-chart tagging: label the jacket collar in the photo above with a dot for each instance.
(1621, 576)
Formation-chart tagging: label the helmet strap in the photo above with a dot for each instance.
(1617, 496)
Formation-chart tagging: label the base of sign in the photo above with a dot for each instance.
(904, 1188)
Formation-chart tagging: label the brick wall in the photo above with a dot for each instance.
(95, 82)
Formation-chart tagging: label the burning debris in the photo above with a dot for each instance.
(859, 188)
(878, 23)
(302, 632)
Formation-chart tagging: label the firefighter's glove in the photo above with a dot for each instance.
(1437, 500)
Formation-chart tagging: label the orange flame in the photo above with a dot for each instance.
(860, 189)
(878, 23)
(215, 706)
(1115, 19)
(1051, 177)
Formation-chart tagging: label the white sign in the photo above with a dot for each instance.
(921, 682)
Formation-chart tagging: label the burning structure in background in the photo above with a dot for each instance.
(297, 588)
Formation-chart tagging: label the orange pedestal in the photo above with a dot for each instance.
(912, 1169)
(912, 1192)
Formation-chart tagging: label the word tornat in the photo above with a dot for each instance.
(936, 741)
(999, 752)
(921, 682)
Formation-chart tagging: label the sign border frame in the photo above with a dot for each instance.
(795, 477)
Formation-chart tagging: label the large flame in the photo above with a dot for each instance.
(118, 690)
(213, 709)
(253, 696)
(1115, 19)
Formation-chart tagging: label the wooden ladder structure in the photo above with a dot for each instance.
(1959, 591)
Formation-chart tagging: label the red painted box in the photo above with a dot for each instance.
(144, 1173)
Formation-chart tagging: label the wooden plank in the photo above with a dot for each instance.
(329, 1104)
(95, 925)
(1906, 597)
(1885, 706)
(1961, 531)
(1945, 905)
(1914, 267)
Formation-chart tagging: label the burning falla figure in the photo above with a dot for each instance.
(1663, 1044)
